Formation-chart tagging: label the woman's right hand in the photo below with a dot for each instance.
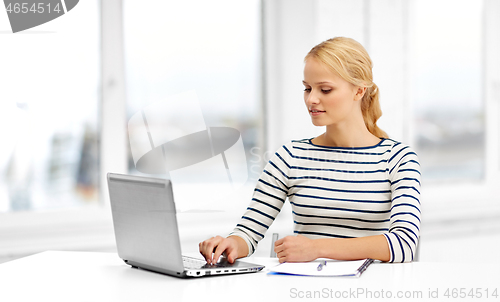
(232, 247)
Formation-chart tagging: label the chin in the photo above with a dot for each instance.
(317, 123)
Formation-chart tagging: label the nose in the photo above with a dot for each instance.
(311, 99)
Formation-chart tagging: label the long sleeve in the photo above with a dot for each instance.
(338, 192)
(404, 230)
(268, 198)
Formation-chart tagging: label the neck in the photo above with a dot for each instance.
(345, 136)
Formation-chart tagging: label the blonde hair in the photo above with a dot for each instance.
(349, 59)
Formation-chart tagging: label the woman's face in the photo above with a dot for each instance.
(329, 98)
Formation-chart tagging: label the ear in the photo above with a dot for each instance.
(360, 92)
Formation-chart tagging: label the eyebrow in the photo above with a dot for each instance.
(319, 83)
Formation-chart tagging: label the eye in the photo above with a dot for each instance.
(307, 89)
(326, 91)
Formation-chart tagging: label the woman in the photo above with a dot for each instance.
(354, 192)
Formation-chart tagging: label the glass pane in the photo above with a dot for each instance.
(49, 113)
(211, 54)
(447, 88)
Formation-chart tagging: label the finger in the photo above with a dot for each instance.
(281, 255)
(278, 249)
(219, 250)
(279, 242)
(213, 249)
(201, 247)
(280, 246)
(282, 258)
(208, 247)
(201, 250)
(232, 255)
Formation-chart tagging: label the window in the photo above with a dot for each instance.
(448, 90)
(49, 114)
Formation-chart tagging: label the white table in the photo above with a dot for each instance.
(90, 276)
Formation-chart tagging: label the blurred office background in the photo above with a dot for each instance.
(70, 86)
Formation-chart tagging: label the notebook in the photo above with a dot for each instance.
(146, 231)
(323, 268)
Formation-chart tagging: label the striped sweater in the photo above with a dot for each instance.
(338, 192)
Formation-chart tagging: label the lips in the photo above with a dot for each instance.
(316, 112)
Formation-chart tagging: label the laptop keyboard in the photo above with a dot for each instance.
(193, 263)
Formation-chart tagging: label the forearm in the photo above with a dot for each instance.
(374, 247)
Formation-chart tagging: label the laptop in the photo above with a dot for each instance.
(146, 232)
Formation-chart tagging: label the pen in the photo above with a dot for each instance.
(275, 237)
(320, 266)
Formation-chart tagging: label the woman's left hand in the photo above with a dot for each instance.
(295, 249)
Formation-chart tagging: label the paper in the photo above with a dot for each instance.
(333, 268)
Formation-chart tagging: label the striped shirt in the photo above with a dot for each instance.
(338, 192)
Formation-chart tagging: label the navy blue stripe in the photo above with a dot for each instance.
(339, 209)
(288, 151)
(276, 167)
(341, 218)
(380, 144)
(406, 178)
(408, 170)
(406, 187)
(342, 180)
(339, 151)
(339, 190)
(406, 221)
(250, 229)
(406, 213)
(253, 242)
(284, 161)
(340, 171)
(304, 140)
(401, 245)
(406, 195)
(406, 204)
(396, 154)
(411, 250)
(269, 173)
(261, 213)
(257, 222)
(331, 160)
(272, 186)
(342, 226)
(396, 165)
(265, 203)
(392, 248)
(402, 229)
(340, 161)
(395, 143)
(340, 199)
(270, 195)
(410, 161)
(322, 234)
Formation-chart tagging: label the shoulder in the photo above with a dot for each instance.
(295, 147)
(400, 153)
(398, 148)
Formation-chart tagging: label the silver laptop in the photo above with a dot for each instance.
(147, 237)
